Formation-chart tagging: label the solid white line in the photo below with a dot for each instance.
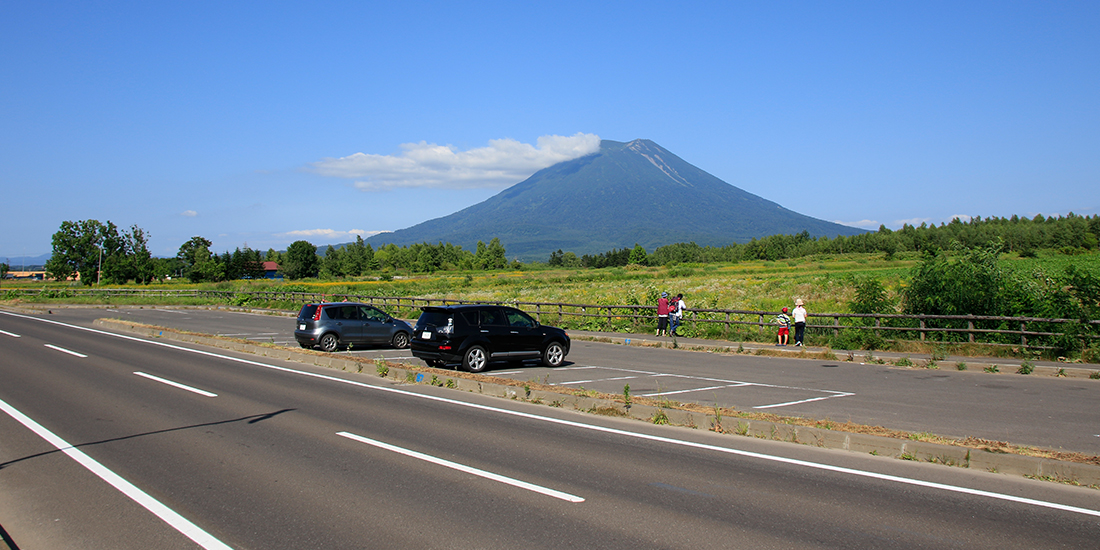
(166, 514)
(463, 468)
(175, 384)
(802, 401)
(12, 334)
(615, 431)
(63, 350)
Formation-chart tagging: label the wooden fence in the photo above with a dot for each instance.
(612, 317)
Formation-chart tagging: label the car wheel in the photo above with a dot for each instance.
(400, 340)
(476, 359)
(553, 355)
(329, 342)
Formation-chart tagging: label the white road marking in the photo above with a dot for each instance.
(166, 514)
(63, 350)
(12, 334)
(176, 384)
(723, 384)
(738, 385)
(803, 401)
(593, 427)
(463, 468)
(596, 380)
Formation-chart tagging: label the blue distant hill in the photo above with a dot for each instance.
(627, 193)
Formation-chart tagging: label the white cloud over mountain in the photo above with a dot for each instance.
(502, 163)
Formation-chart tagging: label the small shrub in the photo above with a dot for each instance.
(660, 417)
(961, 365)
(1095, 375)
(1061, 373)
(451, 383)
(992, 369)
(1026, 367)
(904, 362)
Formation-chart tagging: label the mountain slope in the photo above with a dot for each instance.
(627, 193)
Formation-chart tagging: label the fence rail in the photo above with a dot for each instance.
(605, 316)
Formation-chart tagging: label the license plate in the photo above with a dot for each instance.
(426, 335)
(302, 326)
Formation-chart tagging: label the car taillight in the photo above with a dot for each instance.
(317, 314)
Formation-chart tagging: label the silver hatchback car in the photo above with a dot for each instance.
(332, 325)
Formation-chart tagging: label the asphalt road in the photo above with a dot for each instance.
(204, 446)
(1058, 413)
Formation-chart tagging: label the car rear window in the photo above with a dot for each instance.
(308, 311)
(433, 319)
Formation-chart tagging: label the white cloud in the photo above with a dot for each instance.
(328, 235)
(962, 218)
(867, 224)
(915, 222)
(502, 163)
(189, 213)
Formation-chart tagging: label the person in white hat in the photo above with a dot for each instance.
(799, 321)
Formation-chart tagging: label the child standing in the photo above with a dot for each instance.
(784, 323)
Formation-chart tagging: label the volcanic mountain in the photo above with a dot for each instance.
(627, 193)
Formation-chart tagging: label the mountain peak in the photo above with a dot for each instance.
(626, 193)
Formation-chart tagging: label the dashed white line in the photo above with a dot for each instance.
(12, 334)
(63, 350)
(592, 427)
(463, 468)
(176, 384)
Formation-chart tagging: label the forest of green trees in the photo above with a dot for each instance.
(88, 246)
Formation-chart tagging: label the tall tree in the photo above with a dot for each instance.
(78, 248)
(301, 261)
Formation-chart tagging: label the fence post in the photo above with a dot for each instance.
(559, 313)
(1023, 337)
(922, 330)
(836, 326)
(760, 324)
(878, 323)
(970, 328)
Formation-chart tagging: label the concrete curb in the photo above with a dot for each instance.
(950, 455)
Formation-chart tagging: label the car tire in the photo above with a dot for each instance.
(475, 359)
(329, 342)
(400, 340)
(553, 355)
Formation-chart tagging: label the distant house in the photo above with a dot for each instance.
(271, 271)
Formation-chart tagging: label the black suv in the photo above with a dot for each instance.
(474, 335)
(334, 324)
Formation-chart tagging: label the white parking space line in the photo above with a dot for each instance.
(597, 380)
(463, 468)
(839, 394)
(176, 384)
(713, 384)
(12, 334)
(166, 514)
(695, 389)
(63, 350)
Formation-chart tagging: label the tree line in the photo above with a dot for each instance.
(1069, 234)
(101, 253)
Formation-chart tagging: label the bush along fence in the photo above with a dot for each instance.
(842, 330)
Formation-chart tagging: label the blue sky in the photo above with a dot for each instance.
(262, 123)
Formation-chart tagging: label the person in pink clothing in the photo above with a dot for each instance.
(662, 314)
